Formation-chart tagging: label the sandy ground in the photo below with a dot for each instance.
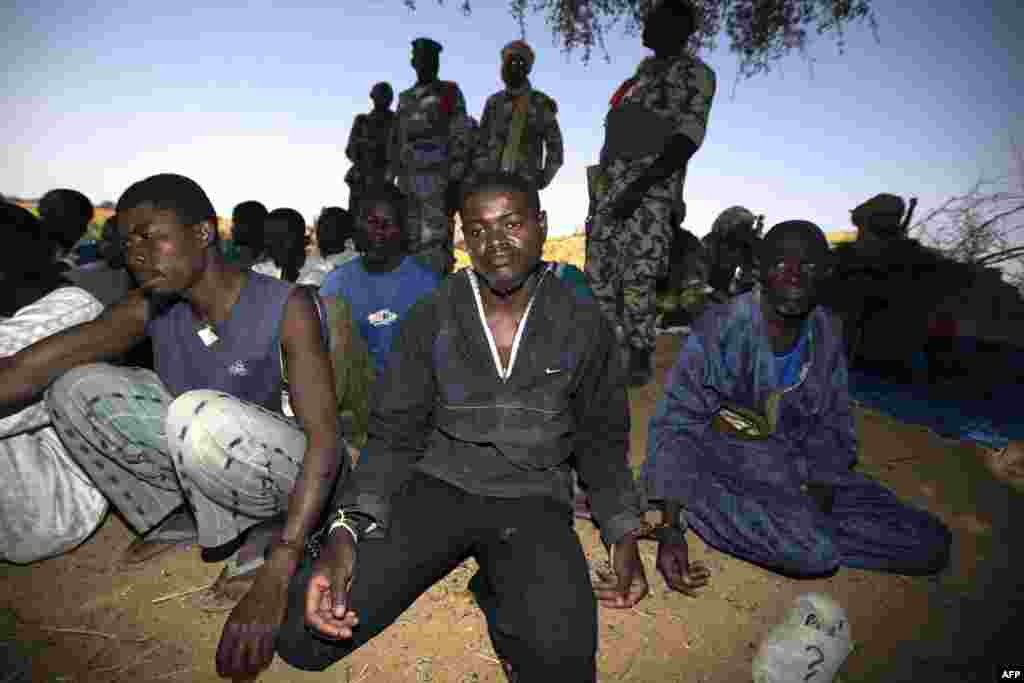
(84, 621)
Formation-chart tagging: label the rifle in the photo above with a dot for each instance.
(910, 214)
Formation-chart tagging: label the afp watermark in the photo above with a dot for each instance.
(1009, 674)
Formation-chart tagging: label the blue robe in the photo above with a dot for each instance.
(739, 451)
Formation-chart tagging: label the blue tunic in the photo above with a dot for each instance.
(740, 452)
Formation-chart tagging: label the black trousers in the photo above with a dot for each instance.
(537, 597)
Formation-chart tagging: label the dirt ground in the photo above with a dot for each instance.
(84, 621)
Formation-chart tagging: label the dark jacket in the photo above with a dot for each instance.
(442, 408)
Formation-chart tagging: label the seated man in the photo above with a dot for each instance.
(65, 215)
(246, 247)
(335, 245)
(110, 281)
(284, 235)
(386, 281)
(48, 505)
(199, 449)
(731, 247)
(107, 279)
(754, 440)
(494, 379)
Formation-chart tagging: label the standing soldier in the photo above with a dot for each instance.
(655, 124)
(367, 147)
(429, 155)
(519, 127)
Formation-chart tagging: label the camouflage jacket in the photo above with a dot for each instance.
(679, 91)
(367, 147)
(541, 153)
(431, 132)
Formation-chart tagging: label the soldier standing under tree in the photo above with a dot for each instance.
(519, 130)
(656, 123)
(429, 155)
(367, 147)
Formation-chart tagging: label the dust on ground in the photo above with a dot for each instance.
(83, 620)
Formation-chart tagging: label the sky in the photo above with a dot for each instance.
(255, 100)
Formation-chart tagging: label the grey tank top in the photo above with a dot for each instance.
(244, 362)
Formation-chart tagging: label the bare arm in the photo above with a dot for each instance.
(311, 383)
(27, 373)
(554, 151)
(481, 149)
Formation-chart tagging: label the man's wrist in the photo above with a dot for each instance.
(634, 535)
(674, 515)
(672, 535)
(284, 558)
(356, 524)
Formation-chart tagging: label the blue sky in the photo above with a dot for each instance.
(256, 101)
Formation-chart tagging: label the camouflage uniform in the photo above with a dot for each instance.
(430, 149)
(367, 149)
(624, 260)
(541, 140)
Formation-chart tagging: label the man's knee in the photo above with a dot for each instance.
(934, 545)
(820, 556)
(65, 393)
(566, 651)
(301, 650)
(194, 413)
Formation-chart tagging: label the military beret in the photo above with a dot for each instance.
(881, 205)
(518, 47)
(427, 44)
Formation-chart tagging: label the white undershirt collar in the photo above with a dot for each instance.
(504, 373)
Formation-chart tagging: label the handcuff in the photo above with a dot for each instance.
(356, 524)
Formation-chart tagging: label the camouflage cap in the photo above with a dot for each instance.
(735, 221)
(518, 47)
(427, 44)
(880, 205)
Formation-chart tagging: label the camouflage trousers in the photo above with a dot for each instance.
(430, 234)
(624, 261)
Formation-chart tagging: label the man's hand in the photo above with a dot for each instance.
(627, 203)
(328, 610)
(247, 642)
(674, 564)
(627, 584)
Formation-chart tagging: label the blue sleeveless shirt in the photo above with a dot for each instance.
(244, 362)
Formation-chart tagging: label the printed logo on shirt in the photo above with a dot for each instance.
(238, 369)
(384, 316)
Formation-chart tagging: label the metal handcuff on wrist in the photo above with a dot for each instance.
(357, 525)
(665, 532)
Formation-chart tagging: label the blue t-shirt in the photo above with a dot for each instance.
(788, 364)
(380, 300)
